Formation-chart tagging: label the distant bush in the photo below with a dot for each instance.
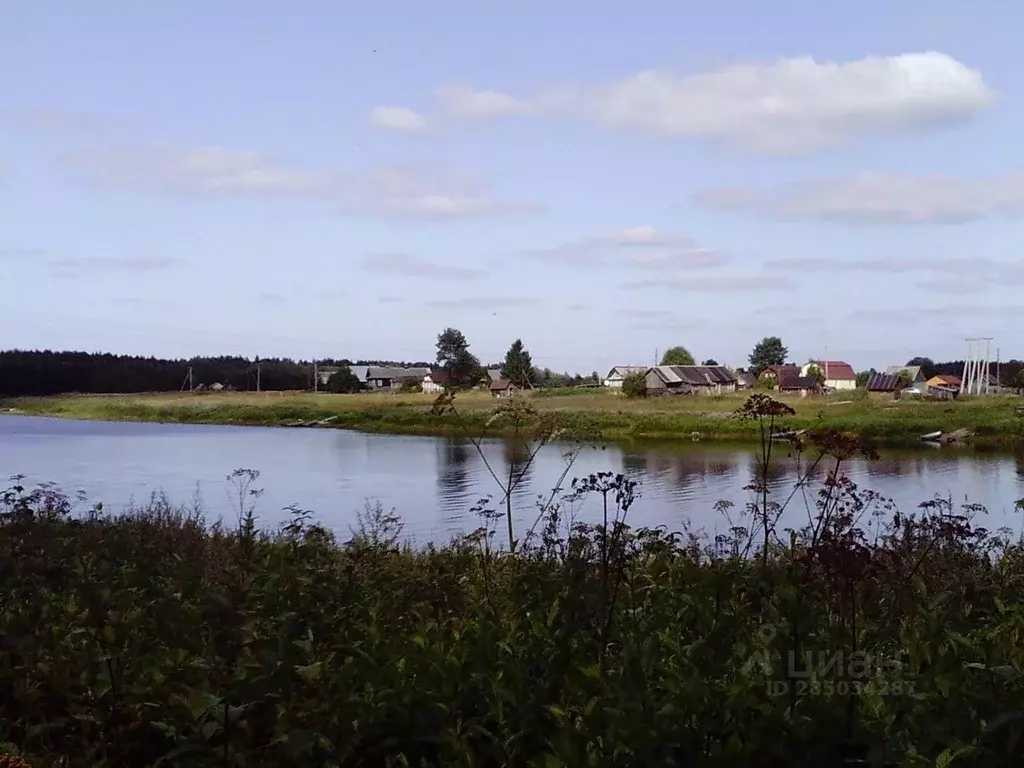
(635, 385)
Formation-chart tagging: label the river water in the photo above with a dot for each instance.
(433, 483)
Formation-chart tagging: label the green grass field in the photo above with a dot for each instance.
(994, 420)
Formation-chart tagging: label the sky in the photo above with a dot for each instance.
(603, 179)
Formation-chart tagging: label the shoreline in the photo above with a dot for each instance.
(601, 417)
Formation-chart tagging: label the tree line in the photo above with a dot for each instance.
(48, 372)
(26, 373)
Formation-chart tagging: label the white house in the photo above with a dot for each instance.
(619, 373)
(838, 375)
(434, 381)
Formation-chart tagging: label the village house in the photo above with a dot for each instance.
(800, 386)
(503, 388)
(838, 375)
(884, 386)
(377, 377)
(690, 380)
(947, 380)
(776, 373)
(620, 373)
(435, 381)
(745, 380)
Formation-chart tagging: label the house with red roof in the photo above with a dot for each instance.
(838, 375)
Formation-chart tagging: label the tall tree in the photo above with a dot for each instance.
(926, 363)
(677, 356)
(710, 361)
(768, 351)
(454, 356)
(518, 367)
(344, 381)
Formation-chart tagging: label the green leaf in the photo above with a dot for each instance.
(310, 672)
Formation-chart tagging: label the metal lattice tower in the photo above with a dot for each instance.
(976, 367)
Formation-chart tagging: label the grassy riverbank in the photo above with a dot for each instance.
(994, 420)
(153, 639)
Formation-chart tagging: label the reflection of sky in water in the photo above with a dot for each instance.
(433, 482)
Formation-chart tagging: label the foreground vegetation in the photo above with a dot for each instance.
(597, 413)
(869, 637)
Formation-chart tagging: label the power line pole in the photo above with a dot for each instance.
(316, 378)
(258, 365)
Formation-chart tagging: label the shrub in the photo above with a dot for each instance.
(635, 385)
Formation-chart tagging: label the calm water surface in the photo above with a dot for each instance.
(433, 482)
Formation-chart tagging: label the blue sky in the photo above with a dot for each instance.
(603, 180)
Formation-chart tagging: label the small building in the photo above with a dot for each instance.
(884, 386)
(435, 381)
(620, 373)
(503, 388)
(745, 380)
(947, 380)
(690, 380)
(776, 373)
(838, 375)
(800, 386)
(216, 386)
(377, 377)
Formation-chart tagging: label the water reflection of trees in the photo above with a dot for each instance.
(683, 467)
(517, 466)
(453, 477)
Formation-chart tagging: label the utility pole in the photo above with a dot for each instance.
(258, 364)
(316, 378)
(188, 379)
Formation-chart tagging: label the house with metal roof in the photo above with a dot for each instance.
(884, 385)
(690, 380)
(377, 377)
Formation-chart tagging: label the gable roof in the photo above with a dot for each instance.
(498, 385)
(695, 375)
(394, 372)
(837, 370)
(789, 369)
(883, 382)
(913, 371)
(747, 379)
(627, 370)
(947, 378)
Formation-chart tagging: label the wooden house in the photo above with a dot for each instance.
(503, 388)
(800, 386)
(690, 380)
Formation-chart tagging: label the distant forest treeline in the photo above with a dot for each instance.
(27, 373)
(50, 373)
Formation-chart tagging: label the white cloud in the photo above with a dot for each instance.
(399, 119)
(412, 266)
(952, 270)
(469, 102)
(389, 191)
(484, 302)
(881, 198)
(791, 106)
(108, 263)
(640, 246)
(713, 284)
